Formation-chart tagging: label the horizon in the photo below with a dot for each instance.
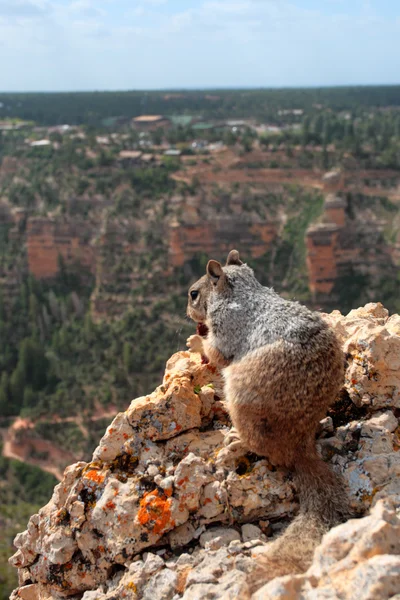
(133, 45)
(204, 89)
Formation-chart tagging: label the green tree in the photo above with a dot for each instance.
(30, 398)
(5, 404)
(247, 143)
(128, 357)
(33, 363)
(2, 310)
(229, 138)
(17, 386)
(157, 136)
(305, 136)
(33, 308)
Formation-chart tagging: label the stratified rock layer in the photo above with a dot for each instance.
(153, 516)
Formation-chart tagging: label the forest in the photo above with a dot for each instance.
(91, 108)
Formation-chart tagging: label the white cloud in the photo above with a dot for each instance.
(90, 44)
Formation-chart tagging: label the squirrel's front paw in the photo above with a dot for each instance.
(195, 344)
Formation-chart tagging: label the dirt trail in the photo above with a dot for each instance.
(57, 458)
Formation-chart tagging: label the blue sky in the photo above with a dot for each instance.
(152, 44)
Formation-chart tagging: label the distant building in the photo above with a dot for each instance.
(297, 112)
(103, 140)
(11, 125)
(150, 122)
(148, 158)
(267, 129)
(129, 158)
(172, 152)
(61, 129)
(237, 125)
(40, 143)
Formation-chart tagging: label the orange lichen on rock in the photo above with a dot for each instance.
(155, 512)
(95, 476)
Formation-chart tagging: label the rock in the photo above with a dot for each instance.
(162, 586)
(112, 527)
(383, 420)
(250, 532)
(229, 587)
(60, 546)
(29, 592)
(214, 499)
(182, 535)
(217, 537)
(371, 342)
(152, 563)
(326, 426)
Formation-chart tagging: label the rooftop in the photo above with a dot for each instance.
(40, 143)
(172, 152)
(149, 118)
(130, 154)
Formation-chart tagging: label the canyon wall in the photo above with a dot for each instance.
(348, 240)
(49, 238)
(348, 243)
(217, 237)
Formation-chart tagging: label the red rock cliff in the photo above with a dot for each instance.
(48, 238)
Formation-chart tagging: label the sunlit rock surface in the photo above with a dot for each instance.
(153, 516)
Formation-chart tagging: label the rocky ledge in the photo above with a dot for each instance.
(153, 516)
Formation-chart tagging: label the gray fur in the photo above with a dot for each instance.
(256, 315)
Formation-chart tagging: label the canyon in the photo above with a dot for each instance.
(355, 234)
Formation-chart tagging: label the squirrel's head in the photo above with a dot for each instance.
(215, 280)
(197, 300)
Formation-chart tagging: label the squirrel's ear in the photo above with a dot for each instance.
(233, 258)
(214, 270)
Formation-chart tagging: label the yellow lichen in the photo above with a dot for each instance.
(132, 587)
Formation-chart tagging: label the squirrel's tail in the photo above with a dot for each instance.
(323, 504)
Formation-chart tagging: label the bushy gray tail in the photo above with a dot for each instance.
(323, 504)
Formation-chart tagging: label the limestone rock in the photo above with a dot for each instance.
(250, 532)
(371, 342)
(154, 516)
(217, 537)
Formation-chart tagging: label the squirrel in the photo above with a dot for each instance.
(282, 368)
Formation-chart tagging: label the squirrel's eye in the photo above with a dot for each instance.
(194, 294)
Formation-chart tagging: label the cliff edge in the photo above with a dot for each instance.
(152, 517)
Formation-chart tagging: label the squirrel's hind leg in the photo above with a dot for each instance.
(231, 436)
(234, 448)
